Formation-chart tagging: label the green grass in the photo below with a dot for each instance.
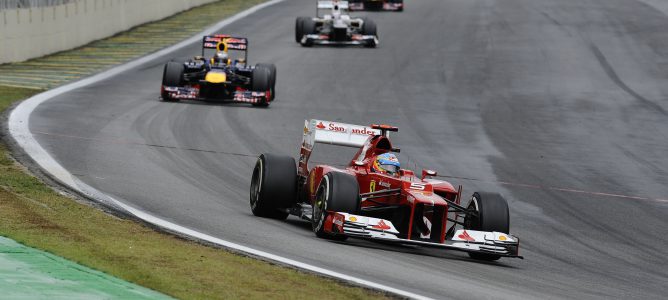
(37, 216)
(9, 95)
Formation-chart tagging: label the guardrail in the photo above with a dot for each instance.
(16, 4)
(42, 27)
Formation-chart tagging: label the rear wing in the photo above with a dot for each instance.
(334, 133)
(330, 4)
(224, 42)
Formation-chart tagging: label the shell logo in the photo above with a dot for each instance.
(353, 219)
(502, 238)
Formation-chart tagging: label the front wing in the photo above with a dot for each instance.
(495, 243)
(192, 93)
(356, 40)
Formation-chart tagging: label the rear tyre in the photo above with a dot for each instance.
(273, 187)
(308, 27)
(172, 76)
(337, 192)
(272, 78)
(493, 215)
(402, 7)
(261, 83)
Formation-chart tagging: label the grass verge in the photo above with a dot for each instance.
(37, 216)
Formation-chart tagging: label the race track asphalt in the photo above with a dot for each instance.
(559, 105)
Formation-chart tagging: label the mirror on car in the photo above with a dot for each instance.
(426, 173)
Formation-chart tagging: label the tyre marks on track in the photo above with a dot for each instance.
(137, 143)
(610, 71)
(559, 189)
(253, 155)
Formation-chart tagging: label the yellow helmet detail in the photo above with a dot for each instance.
(222, 43)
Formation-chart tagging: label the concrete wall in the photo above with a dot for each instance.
(35, 32)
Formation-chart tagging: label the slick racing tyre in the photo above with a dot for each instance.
(261, 82)
(299, 28)
(369, 27)
(399, 1)
(273, 187)
(172, 76)
(272, 78)
(308, 27)
(492, 216)
(337, 192)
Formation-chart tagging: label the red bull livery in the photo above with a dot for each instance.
(225, 76)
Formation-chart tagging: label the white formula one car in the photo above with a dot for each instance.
(335, 27)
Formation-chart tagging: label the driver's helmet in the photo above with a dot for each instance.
(336, 12)
(386, 163)
(220, 58)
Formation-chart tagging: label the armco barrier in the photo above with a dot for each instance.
(33, 32)
(14, 4)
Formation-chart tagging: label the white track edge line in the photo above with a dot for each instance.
(19, 130)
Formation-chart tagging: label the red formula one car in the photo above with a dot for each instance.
(361, 201)
(389, 5)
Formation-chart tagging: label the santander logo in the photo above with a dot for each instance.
(329, 126)
(334, 127)
(363, 131)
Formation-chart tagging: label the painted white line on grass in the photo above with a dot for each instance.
(19, 129)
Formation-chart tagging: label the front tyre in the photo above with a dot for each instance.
(337, 192)
(299, 28)
(273, 187)
(369, 27)
(308, 27)
(261, 82)
(493, 215)
(172, 76)
(272, 79)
